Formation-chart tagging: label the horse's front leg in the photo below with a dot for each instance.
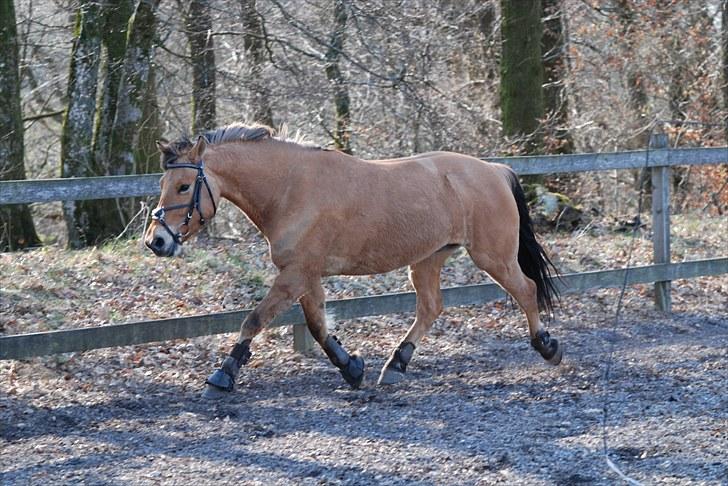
(351, 366)
(287, 288)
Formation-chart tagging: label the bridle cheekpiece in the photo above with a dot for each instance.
(193, 205)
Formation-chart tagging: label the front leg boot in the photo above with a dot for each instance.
(350, 367)
(222, 380)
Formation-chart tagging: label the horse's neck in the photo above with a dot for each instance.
(254, 179)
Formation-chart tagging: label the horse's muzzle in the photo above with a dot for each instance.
(161, 246)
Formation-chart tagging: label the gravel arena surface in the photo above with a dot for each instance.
(479, 406)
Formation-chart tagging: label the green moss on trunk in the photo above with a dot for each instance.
(134, 92)
(77, 158)
(105, 221)
(198, 26)
(342, 133)
(115, 14)
(521, 92)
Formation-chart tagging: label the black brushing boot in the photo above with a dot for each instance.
(548, 347)
(350, 367)
(222, 381)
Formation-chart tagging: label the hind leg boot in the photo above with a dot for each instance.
(549, 348)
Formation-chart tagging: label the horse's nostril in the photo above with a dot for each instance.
(158, 243)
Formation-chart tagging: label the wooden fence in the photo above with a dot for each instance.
(659, 158)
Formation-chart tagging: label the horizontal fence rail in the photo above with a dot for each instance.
(43, 343)
(78, 188)
(82, 188)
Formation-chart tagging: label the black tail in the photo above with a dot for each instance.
(531, 256)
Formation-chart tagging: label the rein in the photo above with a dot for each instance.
(193, 205)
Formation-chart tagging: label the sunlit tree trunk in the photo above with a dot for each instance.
(555, 64)
(521, 91)
(254, 45)
(116, 14)
(77, 158)
(150, 130)
(103, 218)
(126, 137)
(133, 89)
(342, 132)
(198, 26)
(16, 223)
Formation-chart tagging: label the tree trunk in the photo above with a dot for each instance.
(116, 15)
(133, 89)
(254, 45)
(724, 61)
(521, 92)
(342, 133)
(635, 80)
(147, 153)
(77, 158)
(198, 26)
(16, 223)
(103, 216)
(555, 64)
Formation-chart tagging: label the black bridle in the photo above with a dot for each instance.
(193, 205)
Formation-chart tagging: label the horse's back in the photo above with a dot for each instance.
(478, 195)
(440, 163)
(364, 217)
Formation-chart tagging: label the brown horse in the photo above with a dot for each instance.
(327, 213)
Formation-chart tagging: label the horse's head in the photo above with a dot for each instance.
(187, 200)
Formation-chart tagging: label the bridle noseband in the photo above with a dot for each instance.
(193, 205)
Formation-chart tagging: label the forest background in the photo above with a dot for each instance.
(86, 87)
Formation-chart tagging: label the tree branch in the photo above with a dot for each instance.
(40, 116)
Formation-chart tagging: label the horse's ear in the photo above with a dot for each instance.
(163, 146)
(197, 150)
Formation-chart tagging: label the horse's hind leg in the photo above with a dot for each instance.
(425, 277)
(508, 274)
(351, 366)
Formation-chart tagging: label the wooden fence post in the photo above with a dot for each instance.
(661, 180)
(303, 341)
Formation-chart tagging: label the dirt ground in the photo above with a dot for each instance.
(479, 405)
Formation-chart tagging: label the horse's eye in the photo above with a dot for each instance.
(184, 188)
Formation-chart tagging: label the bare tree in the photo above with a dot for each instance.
(104, 219)
(198, 28)
(255, 53)
(555, 64)
(342, 132)
(634, 77)
(521, 72)
(16, 223)
(133, 88)
(115, 14)
(77, 157)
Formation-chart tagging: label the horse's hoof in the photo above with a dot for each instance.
(211, 392)
(556, 358)
(390, 376)
(353, 372)
(218, 385)
(549, 348)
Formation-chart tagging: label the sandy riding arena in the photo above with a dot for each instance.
(479, 406)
